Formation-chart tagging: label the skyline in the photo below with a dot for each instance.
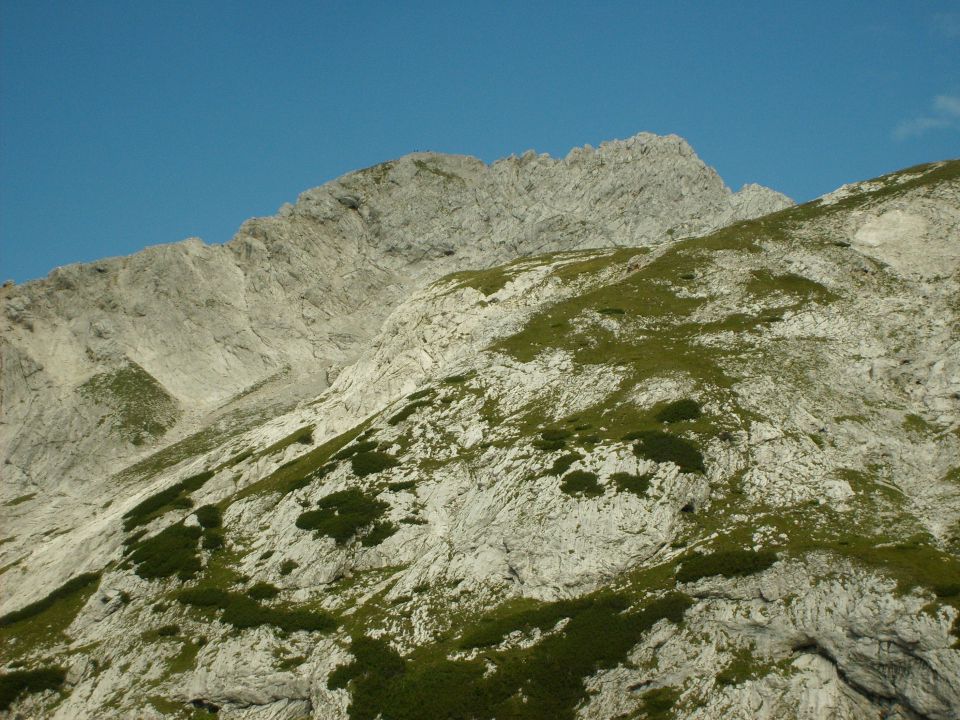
(127, 126)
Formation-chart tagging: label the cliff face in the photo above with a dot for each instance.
(642, 477)
(299, 294)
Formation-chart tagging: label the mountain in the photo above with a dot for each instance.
(586, 438)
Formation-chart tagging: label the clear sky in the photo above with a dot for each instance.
(127, 123)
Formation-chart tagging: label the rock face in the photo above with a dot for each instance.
(699, 478)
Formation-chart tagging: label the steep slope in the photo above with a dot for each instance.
(717, 477)
(294, 297)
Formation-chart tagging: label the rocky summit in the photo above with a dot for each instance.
(585, 438)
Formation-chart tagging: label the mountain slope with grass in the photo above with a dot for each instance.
(716, 476)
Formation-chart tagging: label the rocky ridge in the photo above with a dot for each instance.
(737, 453)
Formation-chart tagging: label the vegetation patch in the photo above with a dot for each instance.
(544, 682)
(172, 551)
(729, 563)
(19, 500)
(657, 704)
(174, 497)
(378, 533)
(68, 590)
(22, 682)
(300, 436)
(371, 462)
(141, 409)
(209, 516)
(341, 515)
(357, 447)
(553, 439)
(630, 482)
(243, 611)
(563, 463)
(402, 485)
(581, 482)
(663, 447)
(263, 591)
(679, 410)
(409, 410)
(420, 394)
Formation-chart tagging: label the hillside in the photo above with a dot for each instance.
(695, 468)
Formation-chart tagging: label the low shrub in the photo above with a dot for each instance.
(204, 596)
(729, 563)
(611, 311)
(420, 394)
(663, 447)
(288, 566)
(168, 631)
(209, 516)
(456, 379)
(263, 591)
(402, 485)
(629, 482)
(378, 533)
(658, 703)
(358, 447)
(370, 463)
(408, 411)
(552, 439)
(64, 591)
(563, 463)
(20, 682)
(679, 410)
(581, 482)
(212, 539)
(174, 497)
(342, 514)
(172, 551)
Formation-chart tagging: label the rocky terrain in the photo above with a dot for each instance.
(666, 461)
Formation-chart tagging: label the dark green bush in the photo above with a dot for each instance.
(581, 482)
(172, 551)
(456, 379)
(64, 591)
(658, 703)
(245, 612)
(628, 482)
(378, 533)
(209, 516)
(493, 629)
(369, 463)
(664, 447)
(288, 566)
(426, 392)
(408, 411)
(402, 485)
(563, 463)
(19, 682)
(358, 447)
(168, 631)
(175, 496)
(212, 539)
(204, 596)
(552, 439)
(342, 514)
(729, 563)
(679, 410)
(263, 591)
(544, 682)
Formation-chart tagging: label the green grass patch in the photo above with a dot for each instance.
(657, 704)
(21, 682)
(728, 563)
(300, 436)
(140, 407)
(420, 394)
(581, 482)
(67, 591)
(763, 282)
(263, 591)
(342, 515)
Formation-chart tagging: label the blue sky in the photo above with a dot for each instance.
(126, 124)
